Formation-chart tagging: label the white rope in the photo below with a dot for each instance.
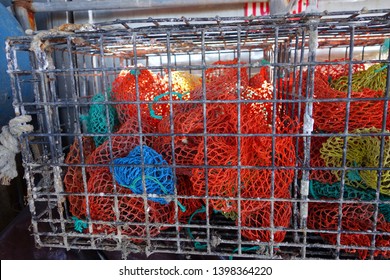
(9, 147)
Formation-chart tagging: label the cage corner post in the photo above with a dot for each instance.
(308, 125)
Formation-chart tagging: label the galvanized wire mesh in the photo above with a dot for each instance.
(215, 136)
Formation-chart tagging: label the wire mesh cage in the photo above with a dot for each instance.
(261, 137)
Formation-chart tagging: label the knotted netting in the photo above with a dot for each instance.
(356, 217)
(118, 168)
(317, 161)
(124, 91)
(363, 112)
(97, 120)
(123, 212)
(257, 116)
(366, 116)
(319, 190)
(374, 78)
(258, 214)
(119, 145)
(366, 105)
(73, 179)
(130, 172)
(362, 151)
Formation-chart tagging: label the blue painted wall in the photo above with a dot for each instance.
(9, 26)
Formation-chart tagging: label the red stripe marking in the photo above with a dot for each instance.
(300, 4)
(246, 9)
(254, 9)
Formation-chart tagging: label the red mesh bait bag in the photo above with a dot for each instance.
(331, 116)
(124, 91)
(355, 217)
(184, 188)
(257, 80)
(258, 214)
(131, 218)
(73, 180)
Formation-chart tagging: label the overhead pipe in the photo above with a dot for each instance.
(83, 5)
(25, 9)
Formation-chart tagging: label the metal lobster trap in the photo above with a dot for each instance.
(261, 137)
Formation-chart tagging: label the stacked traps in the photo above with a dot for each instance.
(73, 180)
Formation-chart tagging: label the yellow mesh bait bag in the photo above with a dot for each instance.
(362, 151)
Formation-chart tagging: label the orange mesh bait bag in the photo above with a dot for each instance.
(331, 116)
(131, 218)
(258, 79)
(184, 188)
(222, 80)
(258, 214)
(316, 161)
(73, 180)
(256, 183)
(187, 118)
(124, 90)
(355, 217)
(227, 76)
